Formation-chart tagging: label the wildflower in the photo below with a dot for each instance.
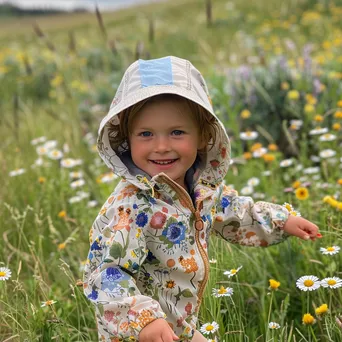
(245, 114)
(55, 154)
(259, 152)
(249, 135)
(256, 146)
(247, 190)
(69, 162)
(273, 325)
(62, 214)
(273, 147)
(268, 158)
(318, 130)
(77, 184)
(310, 99)
(61, 246)
(209, 328)
(92, 204)
(332, 282)
(247, 155)
(5, 273)
(296, 184)
(339, 103)
(222, 292)
(338, 114)
(322, 309)
(284, 86)
(302, 194)
(254, 181)
(75, 199)
(308, 283)
(38, 140)
(286, 163)
(327, 137)
(232, 272)
(107, 177)
(293, 95)
(41, 180)
(330, 250)
(274, 284)
(311, 170)
(309, 108)
(308, 319)
(336, 126)
(339, 181)
(318, 118)
(76, 174)
(213, 261)
(16, 172)
(48, 303)
(328, 153)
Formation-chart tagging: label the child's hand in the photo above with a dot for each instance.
(304, 229)
(157, 331)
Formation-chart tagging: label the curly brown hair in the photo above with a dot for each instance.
(119, 134)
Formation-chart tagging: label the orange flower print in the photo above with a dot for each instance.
(128, 191)
(189, 264)
(144, 318)
(170, 284)
(124, 219)
(158, 220)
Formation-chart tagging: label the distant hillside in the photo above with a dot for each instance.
(9, 10)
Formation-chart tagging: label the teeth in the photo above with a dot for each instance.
(163, 162)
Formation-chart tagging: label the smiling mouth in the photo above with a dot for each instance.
(163, 162)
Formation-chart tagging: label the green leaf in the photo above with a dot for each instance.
(116, 250)
(187, 293)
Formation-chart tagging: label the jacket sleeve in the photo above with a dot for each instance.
(117, 249)
(239, 220)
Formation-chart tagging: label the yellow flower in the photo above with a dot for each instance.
(339, 181)
(318, 118)
(62, 214)
(41, 180)
(56, 81)
(245, 114)
(336, 126)
(247, 155)
(308, 108)
(302, 194)
(268, 158)
(293, 95)
(310, 99)
(284, 86)
(322, 309)
(308, 319)
(126, 265)
(338, 114)
(61, 246)
(274, 284)
(339, 103)
(273, 147)
(255, 147)
(296, 184)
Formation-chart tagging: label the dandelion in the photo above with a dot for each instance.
(245, 114)
(254, 181)
(273, 325)
(249, 135)
(308, 283)
(223, 292)
(286, 163)
(293, 95)
(302, 193)
(61, 246)
(309, 108)
(321, 310)
(16, 172)
(5, 273)
(274, 284)
(232, 272)
(209, 328)
(332, 282)
(338, 114)
(308, 319)
(330, 250)
(48, 303)
(41, 180)
(62, 214)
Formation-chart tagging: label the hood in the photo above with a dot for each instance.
(147, 78)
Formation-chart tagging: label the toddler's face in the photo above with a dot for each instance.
(165, 138)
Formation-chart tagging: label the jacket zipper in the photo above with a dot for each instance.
(199, 225)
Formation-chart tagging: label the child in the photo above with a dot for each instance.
(148, 263)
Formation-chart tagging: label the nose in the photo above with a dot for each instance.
(162, 144)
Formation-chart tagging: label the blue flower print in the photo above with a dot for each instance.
(113, 274)
(175, 232)
(135, 206)
(141, 219)
(96, 244)
(225, 202)
(94, 294)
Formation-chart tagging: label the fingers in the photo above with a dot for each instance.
(169, 336)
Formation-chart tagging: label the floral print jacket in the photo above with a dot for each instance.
(148, 254)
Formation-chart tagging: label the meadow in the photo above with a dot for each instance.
(274, 70)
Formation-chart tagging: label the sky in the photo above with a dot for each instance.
(72, 4)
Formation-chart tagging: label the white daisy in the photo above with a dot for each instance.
(38, 140)
(68, 163)
(209, 328)
(315, 159)
(232, 272)
(76, 174)
(297, 123)
(254, 181)
(75, 199)
(213, 261)
(247, 190)
(328, 153)
(223, 292)
(327, 137)
(318, 131)
(51, 144)
(5, 273)
(93, 203)
(330, 250)
(286, 163)
(48, 303)
(66, 148)
(83, 194)
(55, 154)
(259, 195)
(77, 184)
(108, 177)
(259, 152)
(311, 170)
(16, 172)
(333, 282)
(273, 325)
(308, 283)
(267, 173)
(41, 150)
(249, 135)
(89, 138)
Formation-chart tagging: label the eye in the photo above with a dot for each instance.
(177, 132)
(145, 134)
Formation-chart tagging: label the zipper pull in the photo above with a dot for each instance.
(199, 225)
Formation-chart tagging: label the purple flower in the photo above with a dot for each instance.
(141, 220)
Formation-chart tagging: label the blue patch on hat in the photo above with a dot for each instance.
(155, 72)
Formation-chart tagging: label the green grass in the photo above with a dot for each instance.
(40, 97)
